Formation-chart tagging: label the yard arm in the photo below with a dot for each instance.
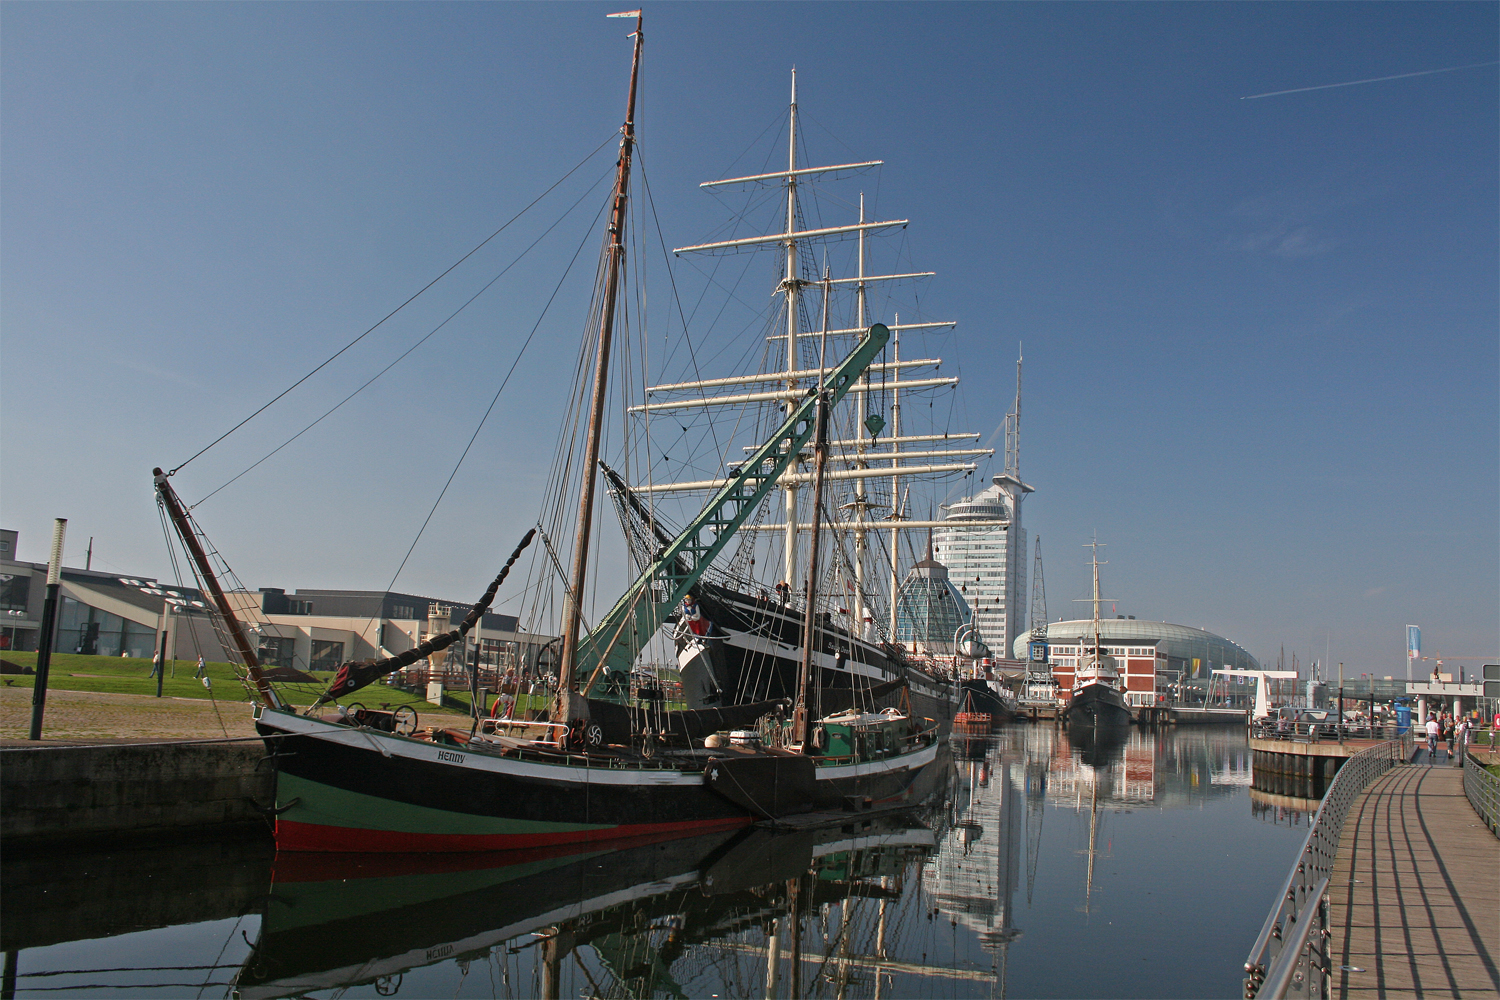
(653, 596)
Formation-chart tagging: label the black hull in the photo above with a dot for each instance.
(976, 696)
(343, 789)
(754, 653)
(1098, 705)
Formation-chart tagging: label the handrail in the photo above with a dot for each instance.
(1313, 868)
(1482, 789)
(1305, 732)
(1279, 975)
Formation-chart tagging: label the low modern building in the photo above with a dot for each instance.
(1153, 656)
(319, 629)
(106, 614)
(102, 614)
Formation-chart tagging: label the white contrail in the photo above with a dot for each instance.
(1375, 79)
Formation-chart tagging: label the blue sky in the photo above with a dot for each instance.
(1260, 336)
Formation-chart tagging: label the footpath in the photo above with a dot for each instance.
(1414, 900)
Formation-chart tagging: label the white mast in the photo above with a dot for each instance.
(789, 286)
(861, 504)
(896, 510)
(783, 388)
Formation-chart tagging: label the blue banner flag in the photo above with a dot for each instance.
(1413, 642)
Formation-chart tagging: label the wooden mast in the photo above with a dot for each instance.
(811, 673)
(184, 526)
(568, 707)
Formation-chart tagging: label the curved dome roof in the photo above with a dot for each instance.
(1182, 641)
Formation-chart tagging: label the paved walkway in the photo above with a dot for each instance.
(1415, 893)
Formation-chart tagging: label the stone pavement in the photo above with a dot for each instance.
(95, 715)
(1414, 900)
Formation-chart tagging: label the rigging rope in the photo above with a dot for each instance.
(488, 410)
(403, 305)
(413, 347)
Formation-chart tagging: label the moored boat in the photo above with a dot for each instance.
(605, 762)
(1098, 696)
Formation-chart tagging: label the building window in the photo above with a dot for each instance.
(276, 651)
(326, 655)
(295, 607)
(15, 591)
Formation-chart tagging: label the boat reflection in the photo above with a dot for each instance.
(338, 921)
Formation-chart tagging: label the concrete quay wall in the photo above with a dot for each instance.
(51, 793)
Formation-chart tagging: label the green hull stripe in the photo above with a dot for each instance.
(314, 903)
(325, 805)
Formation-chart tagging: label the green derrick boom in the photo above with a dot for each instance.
(648, 601)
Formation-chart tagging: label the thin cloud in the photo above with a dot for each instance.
(1373, 79)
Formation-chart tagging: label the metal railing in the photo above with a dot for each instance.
(1482, 788)
(1288, 958)
(1315, 732)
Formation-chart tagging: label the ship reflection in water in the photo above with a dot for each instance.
(1031, 843)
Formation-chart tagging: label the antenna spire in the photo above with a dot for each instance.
(1013, 427)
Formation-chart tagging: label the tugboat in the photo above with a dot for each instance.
(1098, 697)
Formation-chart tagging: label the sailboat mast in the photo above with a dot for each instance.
(790, 286)
(896, 511)
(616, 254)
(861, 504)
(184, 526)
(810, 672)
(1097, 598)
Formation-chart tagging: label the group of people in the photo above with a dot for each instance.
(1451, 731)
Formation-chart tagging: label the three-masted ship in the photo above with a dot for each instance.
(740, 639)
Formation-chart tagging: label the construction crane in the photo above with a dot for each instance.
(1038, 597)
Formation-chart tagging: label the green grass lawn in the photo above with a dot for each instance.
(129, 675)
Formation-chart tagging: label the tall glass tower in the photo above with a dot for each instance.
(988, 564)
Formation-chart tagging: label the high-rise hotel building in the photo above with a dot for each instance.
(988, 563)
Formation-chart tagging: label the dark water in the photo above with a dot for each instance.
(1039, 867)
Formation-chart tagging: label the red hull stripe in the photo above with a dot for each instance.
(294, 836)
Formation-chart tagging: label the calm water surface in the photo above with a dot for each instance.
(1039, 867)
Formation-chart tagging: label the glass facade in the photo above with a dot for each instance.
(85, 629)
(15, 591)
(276, 651)
(928, 609)
(987, 563)
(326, 655)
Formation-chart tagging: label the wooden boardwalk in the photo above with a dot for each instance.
(1414, 901)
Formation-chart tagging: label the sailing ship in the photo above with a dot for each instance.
(1098, 696)
(604, 763)
(740, 639)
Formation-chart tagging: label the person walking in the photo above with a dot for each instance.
(1433, 729)
(202, 669)
(1449, 732)
(155, 665)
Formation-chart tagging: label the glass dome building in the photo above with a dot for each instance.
(1192, 651)
(929, 609)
